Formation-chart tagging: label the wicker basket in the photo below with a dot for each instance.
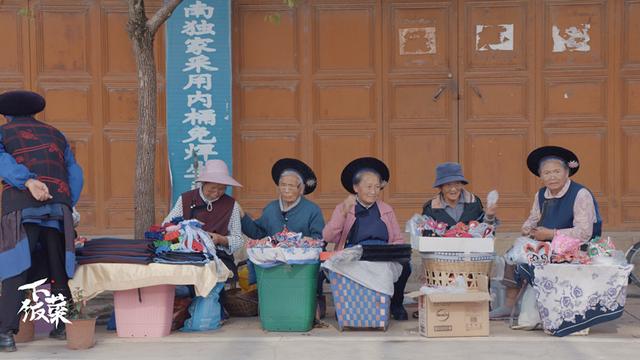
(442, 269)
(240, 303)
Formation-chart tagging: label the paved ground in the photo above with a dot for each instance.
(244, 339)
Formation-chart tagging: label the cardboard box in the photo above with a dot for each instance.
(444, 244)
(455, 315)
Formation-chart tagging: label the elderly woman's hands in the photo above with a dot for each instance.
(219, 239)
(348, 204)
(490, 210)
(541, 233)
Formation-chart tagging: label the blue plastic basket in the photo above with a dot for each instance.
(358, 306)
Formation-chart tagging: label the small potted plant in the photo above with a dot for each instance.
(81, 331)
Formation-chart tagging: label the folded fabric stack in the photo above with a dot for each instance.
(113, 250)
(181, 243)
(386, 252)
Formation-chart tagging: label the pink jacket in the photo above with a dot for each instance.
(337, 229)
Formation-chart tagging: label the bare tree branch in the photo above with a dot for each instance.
(162, 15)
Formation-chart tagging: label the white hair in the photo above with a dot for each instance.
(552, 158)
(290, 172)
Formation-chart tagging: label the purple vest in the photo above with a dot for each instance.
(216, 220)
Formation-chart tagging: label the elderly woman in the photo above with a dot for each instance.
(454, 203)
(292, 210)
(561, 206)
(219, 212)
(363, 218)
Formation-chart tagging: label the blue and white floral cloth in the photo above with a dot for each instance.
(571, 297)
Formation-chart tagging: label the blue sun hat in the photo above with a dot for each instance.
(449, 172)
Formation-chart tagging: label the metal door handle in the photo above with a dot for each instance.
(438, 92)
(477, 91)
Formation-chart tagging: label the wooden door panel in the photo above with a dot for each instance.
(259, 151)
(590, 145)
(631, 34)
(418, 102)
(420, 37)
(340, 102)
(334, 149)
(266, 47)
(273, 104)
(630, 148)
(508, 149)
(67, 104)
(414, 154)
(630, 96)
(501, 100)
(116, 49)
(344, 38)
(119, 57)
(14, 62)
(575, 34)
(496, 35)
(578, 98)
(63, 35)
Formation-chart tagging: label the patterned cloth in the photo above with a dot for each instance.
(571, 298)
(358, 306)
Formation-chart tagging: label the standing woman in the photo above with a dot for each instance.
(41, 183)
(363, 218)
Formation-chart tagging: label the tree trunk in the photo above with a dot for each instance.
(142, 39)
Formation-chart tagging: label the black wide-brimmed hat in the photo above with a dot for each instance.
(363, 163)
(541, 153)
(309, 179)
(21, 102)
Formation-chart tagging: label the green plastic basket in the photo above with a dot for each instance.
(287, 296)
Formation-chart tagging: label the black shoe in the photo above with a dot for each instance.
(399, 313)
(59, 333)
(7, 343)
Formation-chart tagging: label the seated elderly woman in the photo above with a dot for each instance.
(454, 203)
(364, 218)
(219, 212)
(561, 206)
(292, 210)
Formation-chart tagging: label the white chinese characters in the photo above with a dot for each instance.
(34, 309)
(199, 138)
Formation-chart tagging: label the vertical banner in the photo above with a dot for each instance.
(198, 78)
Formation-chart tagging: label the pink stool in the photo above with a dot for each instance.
(144, 312)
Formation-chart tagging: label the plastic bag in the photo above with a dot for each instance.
(206, 312)
(413, 225)
(459, 287)
(529, 316)
(492, 198)
(615, 258)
